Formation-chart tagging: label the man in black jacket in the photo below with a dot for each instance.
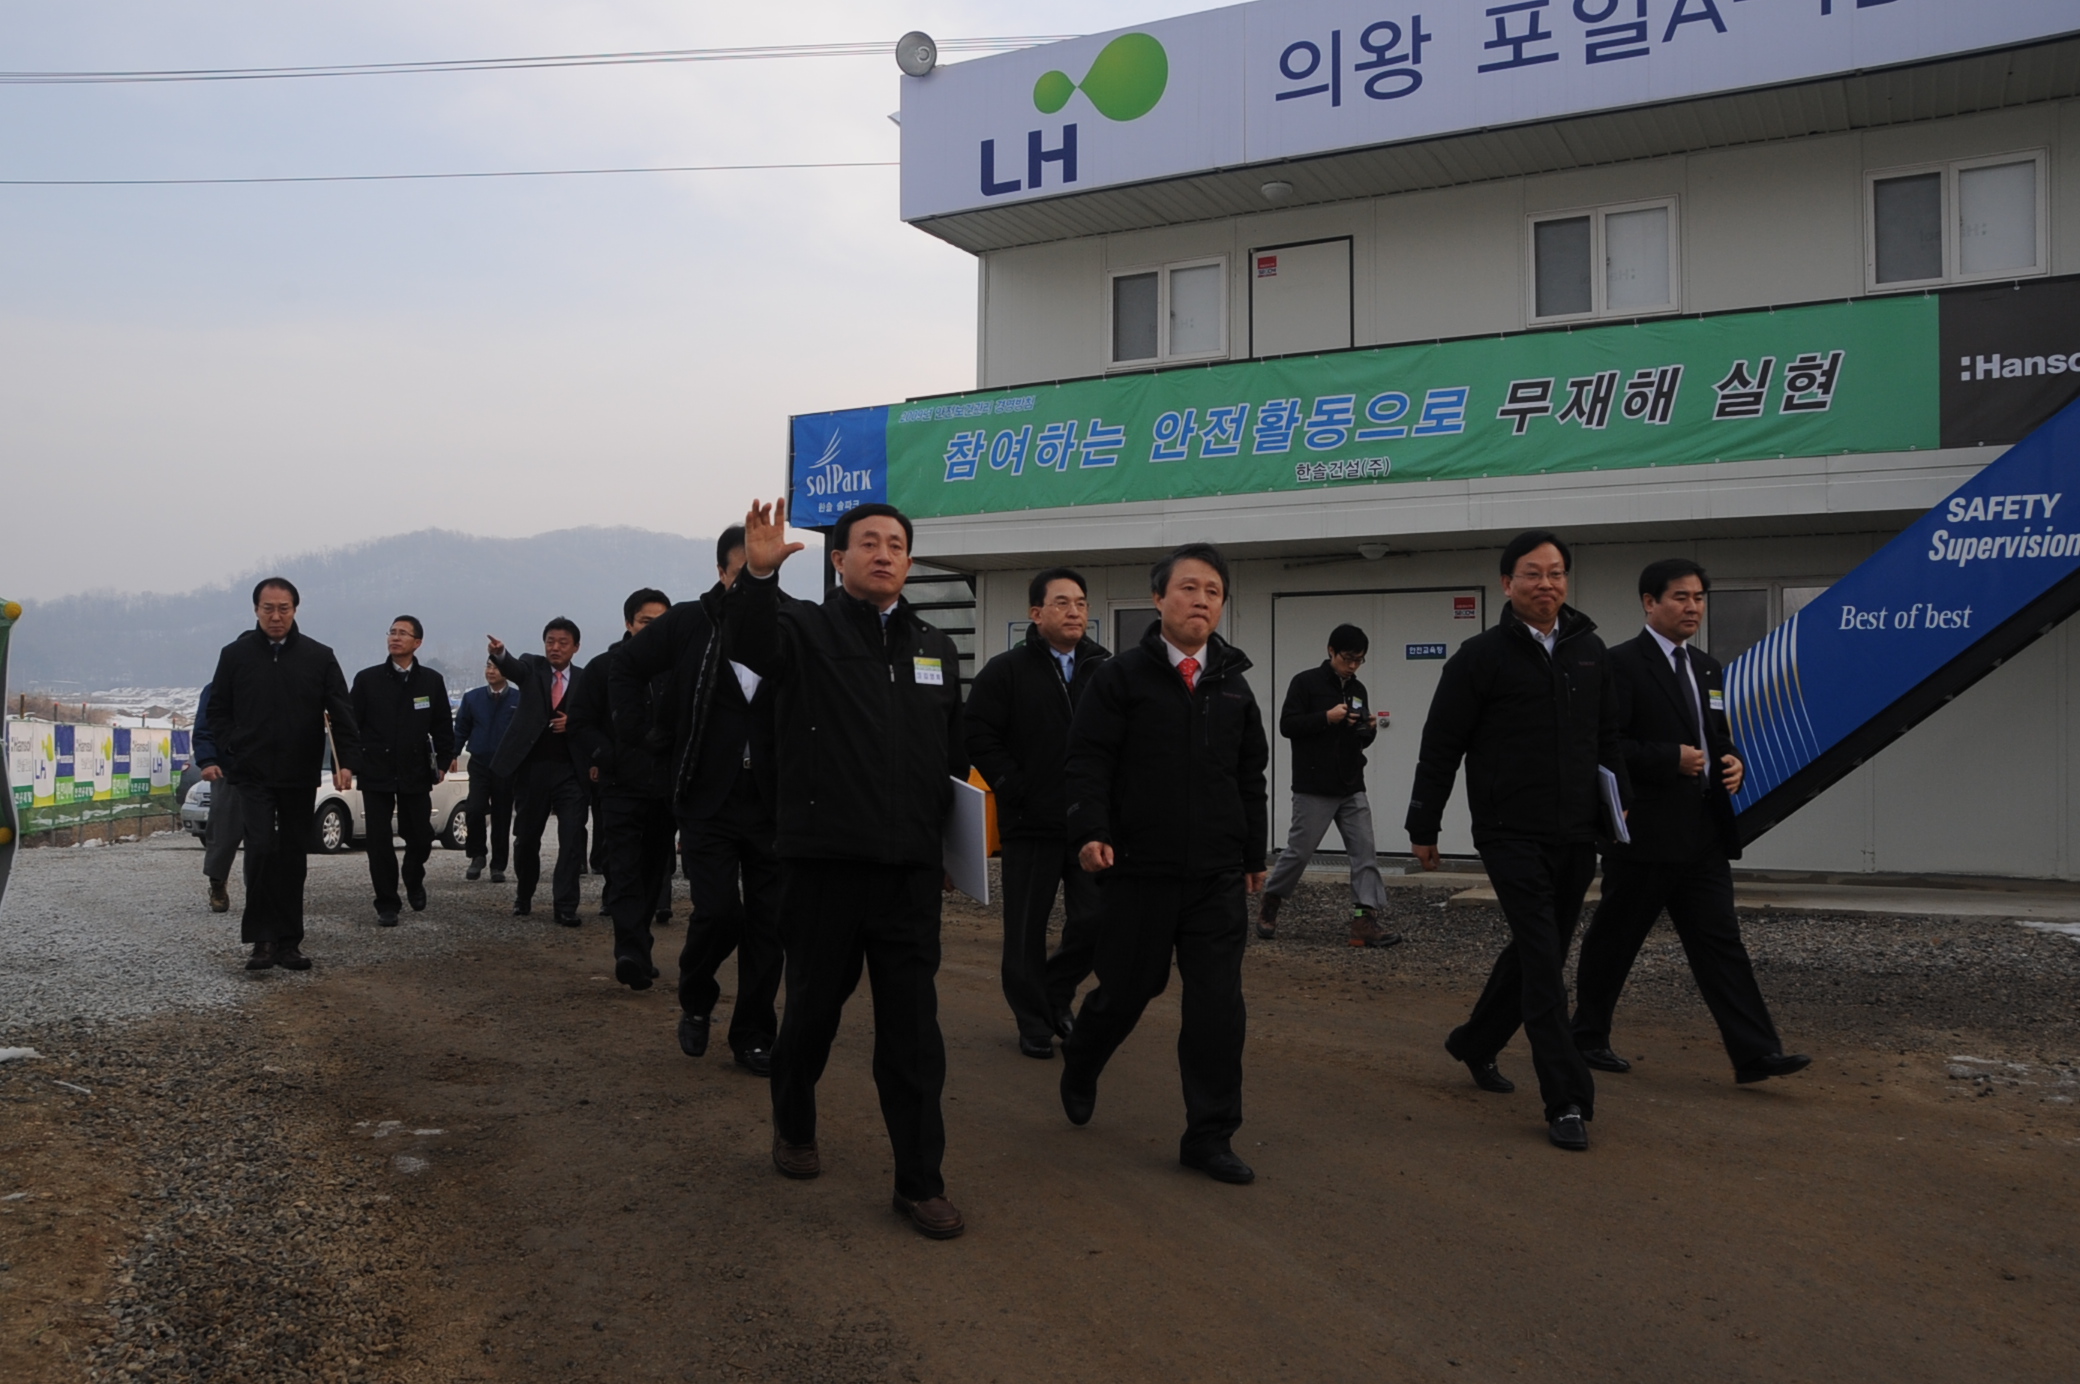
(612, 718)
(1330, 722)
(1530, 706)
(407, 742)
(270, 698)
(869, 716)
(1672, 723)
(1017, 717)
(719, 734)
(537, 756)
(1167, 807)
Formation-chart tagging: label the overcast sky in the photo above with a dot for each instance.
(193, 380)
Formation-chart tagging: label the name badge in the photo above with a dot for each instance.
(927, 672)
(1718, 699)
(1357, 704)
(421, 703)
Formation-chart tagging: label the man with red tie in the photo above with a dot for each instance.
(537, 756)
(1168, 809)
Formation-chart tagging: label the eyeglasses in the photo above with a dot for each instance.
(1355, 660)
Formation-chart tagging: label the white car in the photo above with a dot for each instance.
(338, 820)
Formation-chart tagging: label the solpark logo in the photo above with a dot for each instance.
(1125, 82)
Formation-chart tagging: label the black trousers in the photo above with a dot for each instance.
(414, 814)
(278, 843)
(1540, 887)
(637, 835)
(1699, 900)
(1037, 986)
(225, 830)
(834, 915)
(490, 796)
(734, 879)
(539, 790)
(1203, 918)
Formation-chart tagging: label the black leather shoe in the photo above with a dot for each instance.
(693, 1034)
(1776, 1064)
(417, 899)
(633, 971)
(262, 958)
(386, 917)
(1489, 1077)
(1604, 1060)
(663, 919)
(475, 870)
(1220, 1164)
(1064, 1025)
(798, 1161)
(289, 958)
(1569, 1131)
(1079, 1099)
(1042, 1048)
(756, 1060)
(498, 876)
(522, 907)
(569, 920)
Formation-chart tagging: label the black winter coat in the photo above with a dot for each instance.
(530, 673)
(708, 726)
(406, 727)
(267, 710)
(1328, 758)
(868, 718)
(1532, 730)
(611, 719)
(1017, 718)
(1172, 780)
(1675, 819)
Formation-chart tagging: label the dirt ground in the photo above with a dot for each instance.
(495, 1164)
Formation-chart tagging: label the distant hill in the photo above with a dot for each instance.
(462, 587)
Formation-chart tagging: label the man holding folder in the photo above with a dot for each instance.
(867, 714)
(1530, 707)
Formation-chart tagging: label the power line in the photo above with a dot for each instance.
(427, 177)
(756, 53)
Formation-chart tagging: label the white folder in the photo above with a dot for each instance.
(967, 841)
(1613, 805)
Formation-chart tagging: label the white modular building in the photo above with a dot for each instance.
(1358, 290)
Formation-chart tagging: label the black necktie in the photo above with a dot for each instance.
(1690, 696)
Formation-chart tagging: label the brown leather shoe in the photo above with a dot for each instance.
(219, 900)
(1267, 916)
(798, 1161)
(290, 958)
(1366, 931)
(262, 958)
(934, 1217)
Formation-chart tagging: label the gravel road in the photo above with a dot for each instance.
(456, 1150)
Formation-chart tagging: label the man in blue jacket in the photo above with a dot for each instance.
(479, 727)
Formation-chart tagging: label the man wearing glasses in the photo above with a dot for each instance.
(1018, 715)
(1329, 719)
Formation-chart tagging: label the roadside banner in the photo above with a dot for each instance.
(1907, 372)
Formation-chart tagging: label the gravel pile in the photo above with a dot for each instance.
(109, 933)
(1894, 982)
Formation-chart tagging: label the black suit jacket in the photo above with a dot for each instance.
(530, 673)
(1674, 819)
(706, 725)
(407, 731)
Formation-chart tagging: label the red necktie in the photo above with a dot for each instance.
(556, 691)
(1190, 668)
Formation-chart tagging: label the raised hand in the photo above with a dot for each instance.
(765, 538)
(495, 646)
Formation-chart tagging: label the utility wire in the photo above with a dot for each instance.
(764, 52)
(425, 177)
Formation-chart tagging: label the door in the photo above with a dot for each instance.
(1411, 633)
(1300, 297)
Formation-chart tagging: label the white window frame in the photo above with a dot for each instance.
(1164, 355)
(1599, 268)
(1951, 209)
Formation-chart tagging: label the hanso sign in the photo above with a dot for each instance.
(1281, 79)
